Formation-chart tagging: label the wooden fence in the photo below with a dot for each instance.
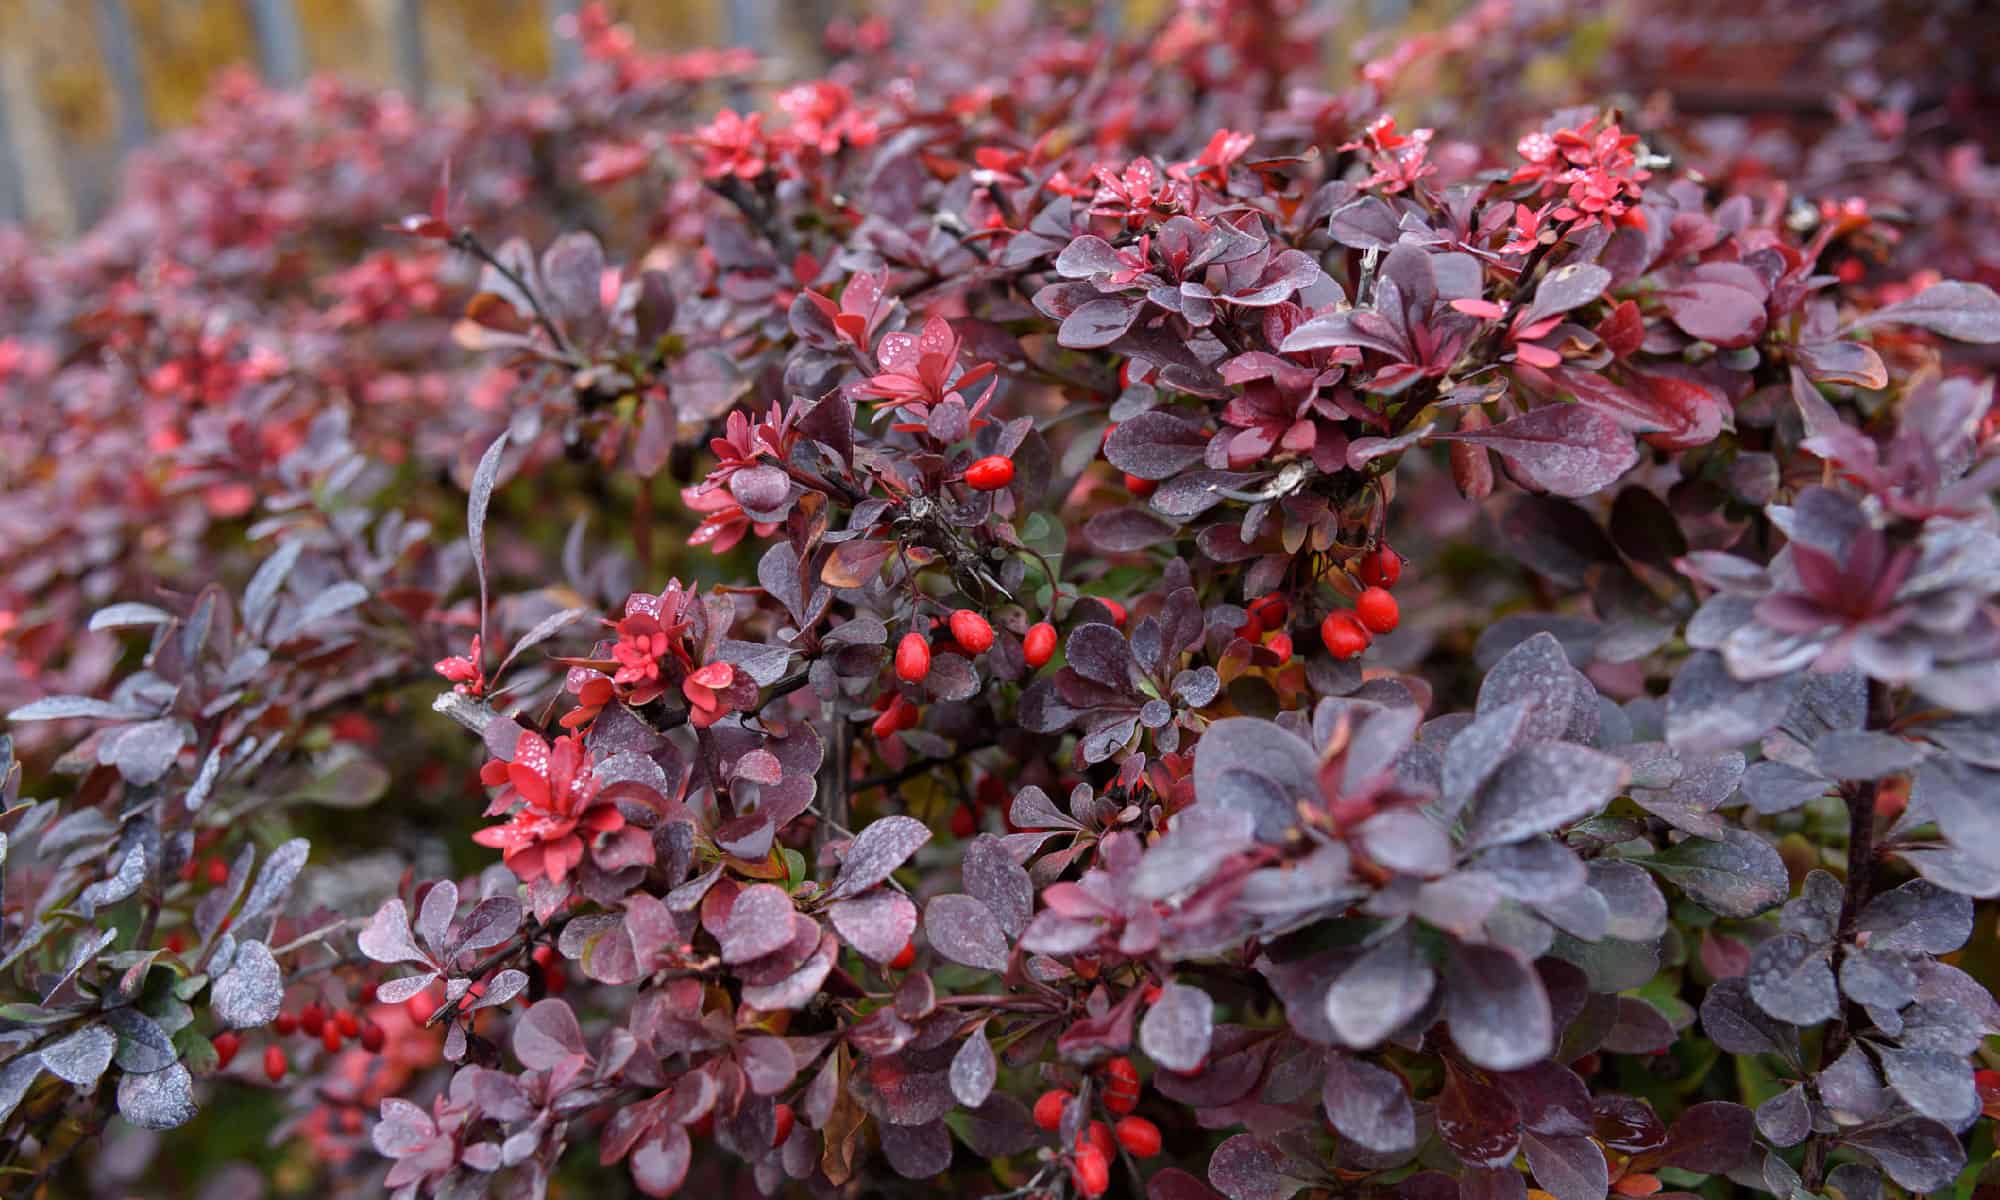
(82, 82)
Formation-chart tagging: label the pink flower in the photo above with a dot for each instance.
(552, 794)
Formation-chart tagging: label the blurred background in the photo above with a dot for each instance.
(85, 82)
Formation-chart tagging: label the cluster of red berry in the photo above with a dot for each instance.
(1099, 1142)
(1347, 634)
(332, 1029)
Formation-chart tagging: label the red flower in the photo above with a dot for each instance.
(919, 369)
(703, 691)
(466, 672)
(723, 521)
(1591, 172)
(732, 145)
(823, 117)
(1399, 160)
(552, 793)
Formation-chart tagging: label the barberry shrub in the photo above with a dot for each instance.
(1050, 619)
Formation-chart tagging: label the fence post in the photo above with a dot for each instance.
(119, 49)
(412, 68)
(13, 198)
(40, 176)
(564, 54)
(280, 48)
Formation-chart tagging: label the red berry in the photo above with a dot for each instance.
(1040, 644)
(1271, 610)
(904, 957)
(1100, 1136)
(1250, 630)
(286, 1025)
(782, 1116)
(188, 869)
(913, 658)
(1377, 609)
(990, 474)
(350, 1025)
(1049, 1109)
(312, 1019)
(1139, 1136)
(1121, 1085)
(218, 872)
(421, 1006)
(176, 942)
(226, 1045)
(963, 821)
(1117, 611)
(972, 631)
(1381, 567)
(350, 1120)
(274, 1063)
(367, 994)
(1141, 488)
(1090, 1170)
(901, 714)
(330, 1038)
(372, 1038)
(1280, 645)
(1343, 635)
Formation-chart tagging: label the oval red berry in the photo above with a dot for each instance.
(1140, 1137)
(1381, 567)
(913, 658)
(1378, 610)
(971, 631)
(1040, 644)
(1049, 1109)
(1343, 635)
(990, 474)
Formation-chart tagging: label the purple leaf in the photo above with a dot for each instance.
(1385, 987)
(547, 1035)
(1098, 323)
(434, 916)
(1176, 1030)
(1568, 1168)
(660, 1163)
(1542, 788)
(876, 853)
(1253, 766)
(1368, 1105)
(387, 937)
(965, 931)
(878, 925)
(1737, 877)
(1248, 1168)
(1965, 312)
(1498, 1010)
(973, 1070)
(1716, 312)
(760, 923)
(1156, 444)
(917, 1151)
(996, 880)
(163, 1099)
(1918, 1154)
(1563, 449)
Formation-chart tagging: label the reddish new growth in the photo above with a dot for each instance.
(920, 371)
(466, 672)
(550, 797)
(1591, 172)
